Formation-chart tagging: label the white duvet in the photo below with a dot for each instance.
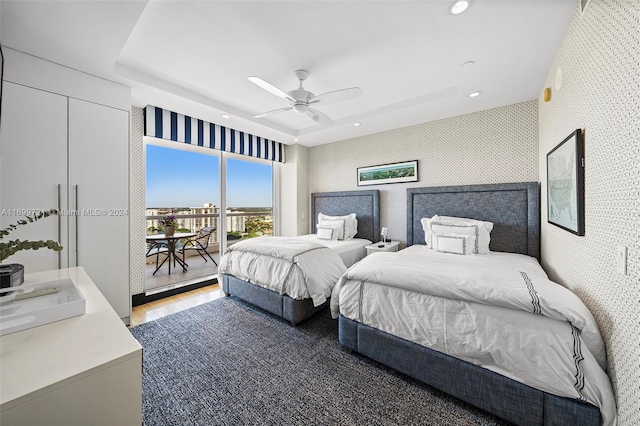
(299, 268)
(499, 311)
(350, 251)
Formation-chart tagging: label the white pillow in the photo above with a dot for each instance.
(454, 243)
(339, 225)
(328, 231)
(481, 230)
(425, 221)
(351, 224)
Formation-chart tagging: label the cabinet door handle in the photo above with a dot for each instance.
(59, 226)
(76, 216)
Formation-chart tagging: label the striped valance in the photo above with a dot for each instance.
(165, 124)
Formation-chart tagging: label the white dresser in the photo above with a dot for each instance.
(84, 370)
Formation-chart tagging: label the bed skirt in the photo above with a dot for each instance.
(292, 310)
(492, 392)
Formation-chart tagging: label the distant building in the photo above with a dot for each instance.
(206, 216)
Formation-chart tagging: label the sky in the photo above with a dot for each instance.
(178, 178)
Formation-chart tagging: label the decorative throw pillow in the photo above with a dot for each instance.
(350, 221)
(328, 231)
(338, 224)
(481, 229)
(454, 243)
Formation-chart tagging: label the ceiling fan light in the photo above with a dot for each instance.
(300, 108)
(459, 6)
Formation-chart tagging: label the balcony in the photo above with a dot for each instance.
(241, 224)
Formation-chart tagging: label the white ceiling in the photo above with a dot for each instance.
(194, 57)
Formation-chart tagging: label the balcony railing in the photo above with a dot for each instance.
(240, 225)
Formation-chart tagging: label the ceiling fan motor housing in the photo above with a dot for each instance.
(302, 98)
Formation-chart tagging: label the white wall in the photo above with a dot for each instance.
(493, 146)
(600, 92)
(294, 192)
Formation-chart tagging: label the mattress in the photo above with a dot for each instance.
(497, 311)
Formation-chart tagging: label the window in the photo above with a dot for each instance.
(203, 188)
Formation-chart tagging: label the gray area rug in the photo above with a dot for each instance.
(229, 363)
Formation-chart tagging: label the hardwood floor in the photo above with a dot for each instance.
(169, 305)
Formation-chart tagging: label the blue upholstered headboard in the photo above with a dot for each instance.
(514, 209)
(365, 204)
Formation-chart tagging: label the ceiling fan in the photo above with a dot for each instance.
(301, 100)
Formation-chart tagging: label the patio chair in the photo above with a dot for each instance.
(199, 243)
(154, 249)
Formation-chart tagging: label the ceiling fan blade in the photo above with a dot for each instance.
(275, 111)
(271, 88)
(319, 117)
(337, 96)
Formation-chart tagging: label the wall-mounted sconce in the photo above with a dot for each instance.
(547, 94)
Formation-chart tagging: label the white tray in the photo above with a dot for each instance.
(18, 315)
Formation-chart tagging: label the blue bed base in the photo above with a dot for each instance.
(482, 388)
(292, 310)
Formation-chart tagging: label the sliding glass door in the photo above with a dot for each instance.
(183, 182)
(228, 197)
(249, 198)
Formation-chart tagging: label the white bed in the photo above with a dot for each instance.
(293, 276)
(300, 268)
(498, 311)
(485, 325)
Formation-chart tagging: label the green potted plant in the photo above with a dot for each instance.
(12, 274)
(168, 224)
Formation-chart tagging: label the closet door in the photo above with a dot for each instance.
(99, 189)
(33, 165)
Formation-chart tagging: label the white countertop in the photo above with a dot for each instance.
(40, 359)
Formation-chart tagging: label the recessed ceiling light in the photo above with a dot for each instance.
(225, 116)
(474, 94)
(459, 6)
(296, 139)
(356, 124)
(468, 64)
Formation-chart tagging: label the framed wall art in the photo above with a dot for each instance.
(565, 184)
(388, 173)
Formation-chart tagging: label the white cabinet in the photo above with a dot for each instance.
(53, 147)
(84, 370)
(33, 168)
(99, 193)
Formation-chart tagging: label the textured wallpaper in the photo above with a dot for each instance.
(598, 89)
(137, 221)
(493, 146)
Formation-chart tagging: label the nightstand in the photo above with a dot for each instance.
(388, 246)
